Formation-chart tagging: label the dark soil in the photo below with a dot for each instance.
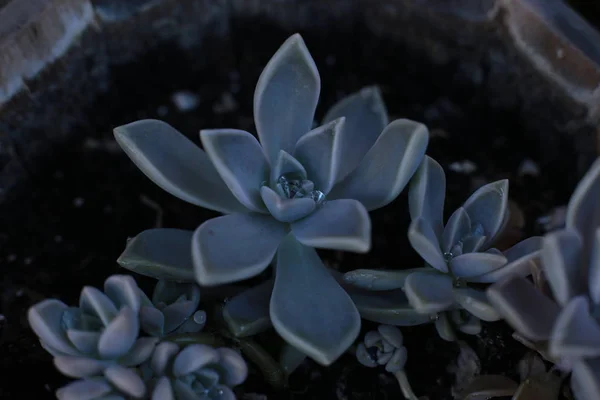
(68, 230)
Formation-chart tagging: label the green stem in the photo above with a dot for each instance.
(195, 338)
(405, 387)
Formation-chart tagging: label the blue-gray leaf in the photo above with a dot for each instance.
(562, 264)
(426, 194)
(477, 303)
(304, 296)
(176, 164)
(425, 242)
(286, 97)
(387, 307)
(474, 264)
(488, 206)
(429, 293)
(582, 210)
(286, 210)
(457, 228)
(379, 279)
(576, 333)
(248, 313)
(160, 254)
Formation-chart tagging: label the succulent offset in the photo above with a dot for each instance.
(571, 263)
(293, 190)
(383, 347)
(456, 254)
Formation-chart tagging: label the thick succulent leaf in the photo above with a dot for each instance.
(162, 357)
(366, 116)
(594, 270)
(235, 247)
(387, 307)
(426, 195)
(248, 313)
(160, 254)
(585, 379)
(488, 206)
(473, 244)
(79, 367)
(477, 303)
(398, 360)
(561, 260)
(84, 389)
(387, 167)
(582, 211)
(457, 229)
(429, 293)
(525, 308)
(192, 358)
(176, 164)
(140, 352)
(163, 389)
(423, 239)
(576, 332)
(172, 292)
(177, 313)
(92, 301)
(485, 387)
(320, 153)
(286, 210)
(364, 357)
(286, 164)
(391, 334)
(304, 296)
(120, 335)
(286, 97)
(126, 380)
(338, 225)
(152, 321)
(474, 264)
(183, 391)
(290, 358)
(45, 318)
(236, 369)
(521, 258)
(85, 341)
(380, 279)
(123, 291)
(444, 327)
(240, 162)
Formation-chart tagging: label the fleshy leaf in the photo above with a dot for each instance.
(429, 293)
(594, 270)
(585, 379)
(561, 261)
(177, 313)
(248, 313)
(319, 152)
(163, 390)
(194, 357)
(235, 247)
(380, 279)
(582, 211)
(140, 352)
(126, 380)
(176, 164)
(477, 303)
(85, 341)
(387, 167)
(286, 97)
(474, 264)
(94, 302)
(160, 254)
(387, 307)
(234, 365)
(120, 334)
(240, 162)
(152, 321)
(45, 318)
(286, 210)
(298, 306)
(286, 164)
(444, 327)
(576, 333)
(290, 358)
(426, 194)
(162, 356)
(488, 206)
(123, 291)
(366, 116)
(363, 356)
(78, 367)
(84, 389)
(424, 240)
(457, 228)
(525, 308)
(338, 224)
(391, 334)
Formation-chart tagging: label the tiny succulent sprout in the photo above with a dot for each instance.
(570, 322)
(100, 336)
(173, 309)
(196, 371)
(292, 190)
(456, 254)
(383, 347)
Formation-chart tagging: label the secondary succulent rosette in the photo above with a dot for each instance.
(292, 190)
(569, 322)
(457, 254)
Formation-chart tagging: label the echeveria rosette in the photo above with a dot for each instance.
(99, 334)
(196, 371)
(456, 254)
(293, 190)
(173, 309)
(570, 322)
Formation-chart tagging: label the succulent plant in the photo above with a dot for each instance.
(571, 264)
(293, 190)
(196, 371)
(456, 254)
(117, 383)
(173, 309)
(101, 334)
